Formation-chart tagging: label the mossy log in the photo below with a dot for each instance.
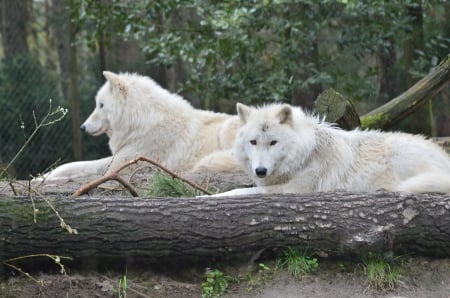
(405, 104)
(334, 224)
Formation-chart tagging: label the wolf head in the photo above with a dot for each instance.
(126, 103)
(99, 120)
(272, 140)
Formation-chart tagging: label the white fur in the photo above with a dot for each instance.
(302, 154)
(142, 118)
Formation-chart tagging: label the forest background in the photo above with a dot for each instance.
(214, 53)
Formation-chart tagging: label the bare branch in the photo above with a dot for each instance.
(115, 176)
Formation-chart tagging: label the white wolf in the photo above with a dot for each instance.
(286, 150)
(142, 118)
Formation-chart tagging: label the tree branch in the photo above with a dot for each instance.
(84, 189)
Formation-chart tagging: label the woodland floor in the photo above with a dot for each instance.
(419, 277)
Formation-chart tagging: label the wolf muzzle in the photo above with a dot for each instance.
(261, 172)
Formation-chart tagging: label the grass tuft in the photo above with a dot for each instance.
(381, 275)
(298, 263)
(165, 186)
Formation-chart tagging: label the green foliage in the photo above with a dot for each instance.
(298, 263)
(274, 50)
(381, 274)
(165, 186)
(215, 285)
(267, 51)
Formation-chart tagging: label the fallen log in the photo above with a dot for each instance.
(334, 224)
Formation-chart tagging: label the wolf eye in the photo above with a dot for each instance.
(253, 142)
(101, 105)
(273, 143)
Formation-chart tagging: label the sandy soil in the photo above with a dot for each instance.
(420, 277)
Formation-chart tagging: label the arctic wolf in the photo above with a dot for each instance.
(143, 119)
(286, 150)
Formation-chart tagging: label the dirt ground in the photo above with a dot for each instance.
(419, 277)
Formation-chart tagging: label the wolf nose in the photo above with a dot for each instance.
(83, 128)
(261, 172)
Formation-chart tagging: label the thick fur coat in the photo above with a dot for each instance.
(286, 150)
(143, 119)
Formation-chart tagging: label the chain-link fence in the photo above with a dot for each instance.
(33, 83)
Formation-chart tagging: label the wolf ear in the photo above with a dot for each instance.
(116, 83)
(243, 112)
(285, 114)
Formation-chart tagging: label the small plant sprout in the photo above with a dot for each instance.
(215, 285)
(263, 274)
(123, 286)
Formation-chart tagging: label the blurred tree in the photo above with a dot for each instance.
(14, 26)
(65, 32)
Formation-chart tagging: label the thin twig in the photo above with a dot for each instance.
(10, 182)
(45, 122)
(115, 176)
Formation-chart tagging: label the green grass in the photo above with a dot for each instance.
(381, 274)
(122, 291)
(165, 186)
(298, 263)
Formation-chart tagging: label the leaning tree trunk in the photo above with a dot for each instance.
(333, 224)
(340, 110)
(408, 102)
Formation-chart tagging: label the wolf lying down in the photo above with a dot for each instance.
(142, 118)
(286, 150)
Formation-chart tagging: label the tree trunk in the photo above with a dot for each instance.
(59, 26)
(333, 224)
(14, 17)
(74, 94)
(387, 79)
(414, 43)
(408, 102)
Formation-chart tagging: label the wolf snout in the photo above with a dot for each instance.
(82, 127)
(261, 172)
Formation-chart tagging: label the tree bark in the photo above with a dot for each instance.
(333, 224)
(408, 102)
